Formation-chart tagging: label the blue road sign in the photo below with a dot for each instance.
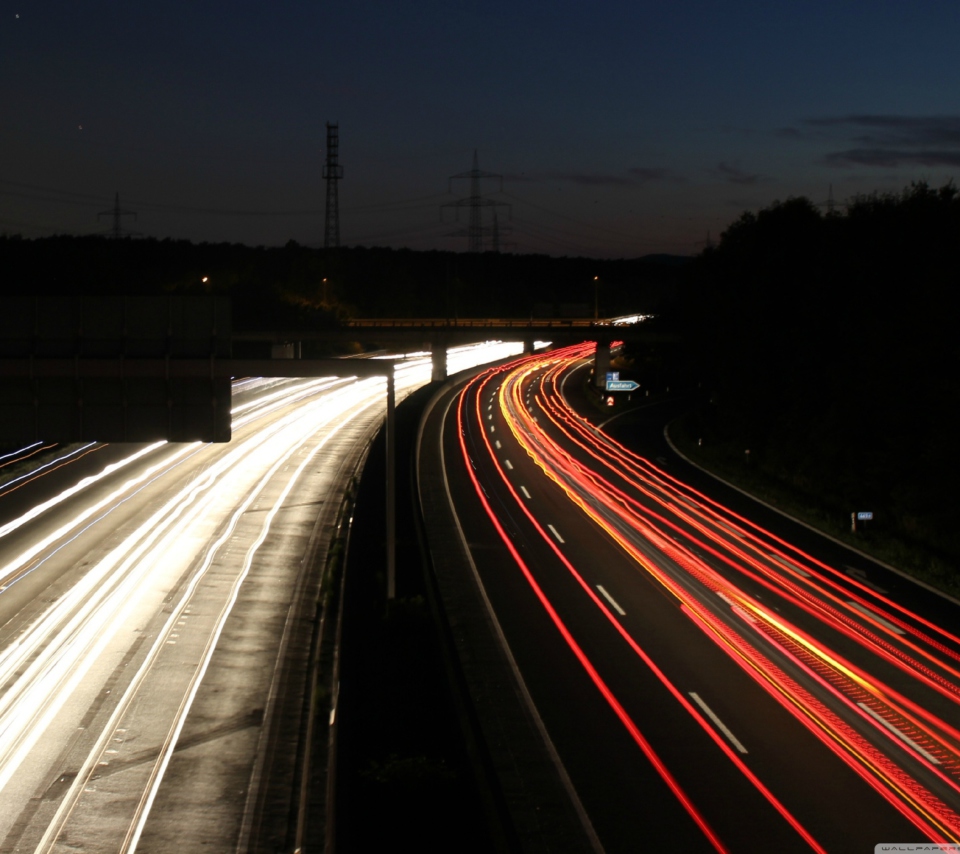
(622, 385)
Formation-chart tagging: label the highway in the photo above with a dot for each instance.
(151, 601)
(698, 682)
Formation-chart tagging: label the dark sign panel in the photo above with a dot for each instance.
(70, 369)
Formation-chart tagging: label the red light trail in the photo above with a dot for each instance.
(708, 559)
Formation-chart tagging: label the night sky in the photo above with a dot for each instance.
(620, 128)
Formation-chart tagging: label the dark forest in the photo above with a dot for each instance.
(830, 349)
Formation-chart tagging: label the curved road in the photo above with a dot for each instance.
(700, 683)
(151, 600)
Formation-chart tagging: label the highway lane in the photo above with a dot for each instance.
(729, 640)
(162, 581)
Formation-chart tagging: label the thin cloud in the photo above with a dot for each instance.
(735, 175)
(898, 130)
(891, 158)
(789, 133)
(520, 178)
(655, 173)
(633, 177)
(590, 179)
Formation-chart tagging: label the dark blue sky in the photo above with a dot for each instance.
(619, 128)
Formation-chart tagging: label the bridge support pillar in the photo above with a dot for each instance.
(601, 364)
(438, 359)
(527, 346)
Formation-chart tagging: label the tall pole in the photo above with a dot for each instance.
(474, 228)
(391, 489)
(332, 172)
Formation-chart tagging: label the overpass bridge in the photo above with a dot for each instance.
(138, 369)
(436, 334)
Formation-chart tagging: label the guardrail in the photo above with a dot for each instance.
(470, 323)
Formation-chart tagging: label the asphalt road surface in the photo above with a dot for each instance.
(153, 604)
(698, 681)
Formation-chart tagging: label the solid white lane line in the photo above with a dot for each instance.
(611, 600)
(719, 723)
(508, 464)
(556, 533)
(905, 739)
(876, 617)
(523, 489)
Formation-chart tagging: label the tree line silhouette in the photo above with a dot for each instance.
(298, 285)
(830, 348)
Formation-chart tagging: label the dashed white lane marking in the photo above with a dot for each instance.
(508, 464)
(728, 529)
(789, 564)
(876, 617)
(611, 600)
(492, 428)
(556, 533)
(724, 596)
(497, 443)
(719, 723)
(905, 739)
(523, 489)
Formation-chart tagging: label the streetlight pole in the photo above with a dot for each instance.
(596, 298)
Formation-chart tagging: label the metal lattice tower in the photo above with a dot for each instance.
(117, 212)
(332, 172)
(475, 202)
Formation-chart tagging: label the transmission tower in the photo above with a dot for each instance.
(829, 204)
(116, 212)
(475, 202)
(332, 172)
